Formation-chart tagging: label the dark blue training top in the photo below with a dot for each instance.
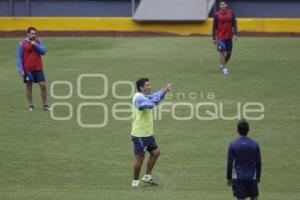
(244, 161)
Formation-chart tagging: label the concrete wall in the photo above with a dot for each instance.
(126, 24)
(122, 8)
(266, 8)
(66, 8)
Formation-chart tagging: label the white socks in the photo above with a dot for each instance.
(135, 183)
(148, 176)
(225, 71)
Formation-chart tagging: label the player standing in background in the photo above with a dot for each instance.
(30, 65)
(224, 31)
(142, 129)
(244, 164)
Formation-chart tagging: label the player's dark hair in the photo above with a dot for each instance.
(243, 127)
(141, 82)
(31, 28)
(221, 1)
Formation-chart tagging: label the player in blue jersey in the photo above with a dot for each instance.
(244, 164)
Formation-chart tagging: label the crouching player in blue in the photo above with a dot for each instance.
(142, 130)
(244, 164)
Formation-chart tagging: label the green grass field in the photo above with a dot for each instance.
(41, 158)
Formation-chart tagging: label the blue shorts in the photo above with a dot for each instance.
(224, 45)
(34, 77)
(244, 188)
(143, 144)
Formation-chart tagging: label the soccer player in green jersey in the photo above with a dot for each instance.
(142, 129)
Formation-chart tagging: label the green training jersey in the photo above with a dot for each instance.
(142, 122)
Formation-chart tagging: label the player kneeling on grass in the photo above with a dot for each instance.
(30, 65)
(224, 31)
(244, 164)
(142, 130)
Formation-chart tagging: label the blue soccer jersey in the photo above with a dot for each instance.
(244, 160)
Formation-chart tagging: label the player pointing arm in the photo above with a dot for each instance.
(142, 130)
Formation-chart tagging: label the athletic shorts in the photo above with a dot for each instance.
(245, 188)
(143, 144)
(34, 77)
(224, 45)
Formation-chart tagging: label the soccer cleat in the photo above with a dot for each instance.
(149, 181)
(136, 183)
(31, 108)
(46, 107)
(225, 71)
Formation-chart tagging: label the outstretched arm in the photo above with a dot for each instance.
(149, 101)
(142, 103)
(156, 97)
